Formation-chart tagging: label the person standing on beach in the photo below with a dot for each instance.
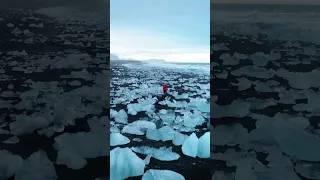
(165, 89)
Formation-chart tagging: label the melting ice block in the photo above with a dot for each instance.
(117, 139)
(204, 146)
(162, 154)
(121, 117)
(71, 159)
(153, 134)
(9, 164)
(124, 163)
(296, 142)
(154, 174)
(37, 166)
(167, 133)
(190, 145)
(136, 126)
(178, 138)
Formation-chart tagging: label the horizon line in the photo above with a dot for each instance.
(265, 3)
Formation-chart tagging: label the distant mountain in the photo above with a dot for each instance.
(156, 61)
(114, 57)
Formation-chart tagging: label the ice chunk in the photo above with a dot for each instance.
(167, 133)
(190, 145)
(12, 140)
(296, 142)
(244, 171)
(153, 134)
(162, 154)
(37, 167)
(114, 129)
(153, 174)
(9, 164)
(117, 139)
(10, 25)
(178, 138)
(113, 113)
(124, 163)
(121, 117)
(78, 142)
(147, 160)
(28, 124)
(71, 159)
(136, 126)
(168, 117)
(307, 170)
(16, 31)
(137, 139)
(204, 146)
(192, 120)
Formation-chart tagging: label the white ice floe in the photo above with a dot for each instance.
(179, 138)
(190, 145)
(37, 25)
(244, 170)
(137, 139)
(155, 174)
(9, 164)
(28, 124)
(162, 154)
(78, 143)
(137, 126)
(37, 166)
(121, 117)
(12, 140)
(167, 133)
(153, 134)
(124, 163)
(295, 142)
(70, 159)
(117, 139)
(204, 146)
(17, 53)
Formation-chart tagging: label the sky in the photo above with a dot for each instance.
(311, 2)
(173, 30)
(36, 4)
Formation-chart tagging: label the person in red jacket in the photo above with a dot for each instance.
(165, 89)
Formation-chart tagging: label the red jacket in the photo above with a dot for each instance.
(165, 87)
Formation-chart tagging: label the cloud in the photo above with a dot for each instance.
(143, 45)
(311, 2)
(36, 4)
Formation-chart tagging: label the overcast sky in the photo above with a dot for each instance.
(174, 30)
(4, 4)
(268, 1)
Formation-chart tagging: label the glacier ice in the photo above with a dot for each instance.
(71, 159)
(136, 126)
(117, 139)
(37, 167)
(190, 145)
(153, 134)
(167, 133)
(244, 170)
(78, 142)
(155, 174)
(179, 138)
(296, 142)
(162, 154)
(9, 164)
(121, 117)
(204, 146)
(124, 163)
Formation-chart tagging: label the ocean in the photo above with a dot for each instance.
(284, 8)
